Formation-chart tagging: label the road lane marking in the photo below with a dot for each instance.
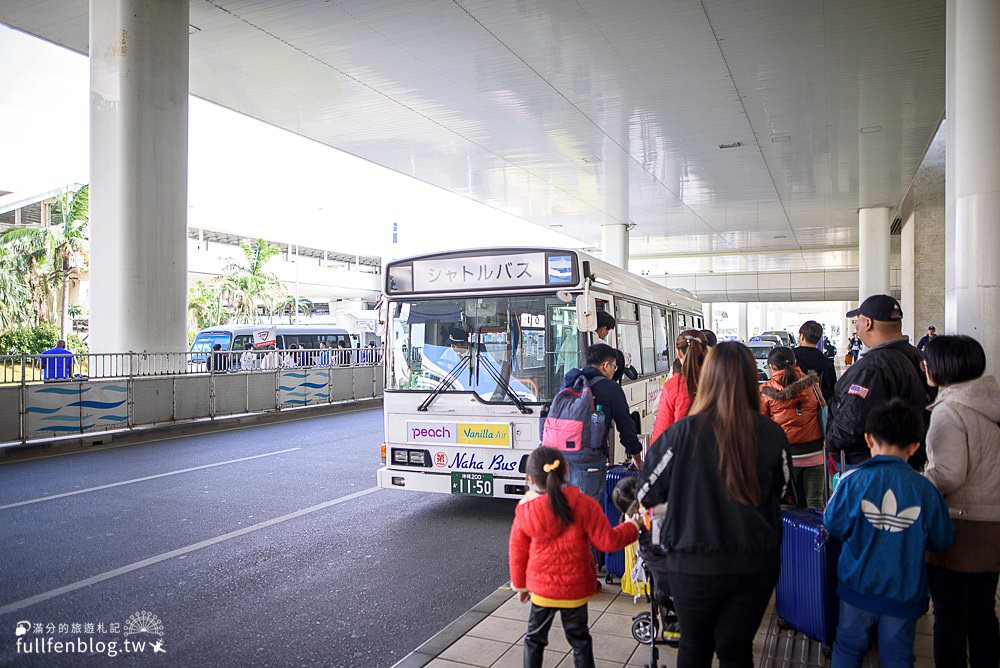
(143, 479)
(107, 575)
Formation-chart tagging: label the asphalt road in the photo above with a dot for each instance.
(284, 557)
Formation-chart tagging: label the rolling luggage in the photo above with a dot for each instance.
(806, 594)
(614, 562)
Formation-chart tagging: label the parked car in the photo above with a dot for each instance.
(760, 350)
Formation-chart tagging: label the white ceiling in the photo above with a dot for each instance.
(549, 109)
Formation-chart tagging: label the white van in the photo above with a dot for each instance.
(236, 338)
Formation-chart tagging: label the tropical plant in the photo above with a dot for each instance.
(295, 305)
(205, 308)
(74, 310)
(52, 256)
(15, 306)
(28, 340)
(246, 285)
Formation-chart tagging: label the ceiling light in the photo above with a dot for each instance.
(591, 160)
(556, 225)
(735, 144)
(780, 138)
(870, 129)
(781, 236)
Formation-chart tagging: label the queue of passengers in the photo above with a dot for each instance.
(728, 453)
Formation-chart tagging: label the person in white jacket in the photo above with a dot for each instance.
(963, 453)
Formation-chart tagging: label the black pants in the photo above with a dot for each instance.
(574, 621)
(964, 617)
(719, 614)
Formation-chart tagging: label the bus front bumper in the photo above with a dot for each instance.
(440, 483)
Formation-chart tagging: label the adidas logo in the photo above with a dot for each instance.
(886, 518)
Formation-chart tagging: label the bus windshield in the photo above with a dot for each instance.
(204, 342)
(527, 342)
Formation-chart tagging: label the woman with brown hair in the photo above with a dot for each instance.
(722, 471)
(680, 389)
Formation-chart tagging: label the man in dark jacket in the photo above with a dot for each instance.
(811, 358)
(888, 368)
(588, 469)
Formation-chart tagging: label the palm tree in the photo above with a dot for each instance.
(246, 285)
(67, 244)
(15, 306)
(53, 255)
(295, 305)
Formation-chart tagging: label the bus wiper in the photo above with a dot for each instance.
(502, 382)
(445, 382)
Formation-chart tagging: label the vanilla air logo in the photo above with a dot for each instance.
(886, 518)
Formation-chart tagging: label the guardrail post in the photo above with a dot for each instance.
(22, 419)
(211, 395)
(277, 392)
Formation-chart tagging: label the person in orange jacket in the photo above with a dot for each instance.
(792, 400)
(679, 390)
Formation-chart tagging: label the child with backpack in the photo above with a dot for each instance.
(550, 559)
(886, 514)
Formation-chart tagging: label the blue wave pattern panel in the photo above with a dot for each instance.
(107, 403)
(301, 387)
(54, 409)
(76, 407)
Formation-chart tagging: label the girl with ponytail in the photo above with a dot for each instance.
(551, 565)
(680, 389)
(793, 400)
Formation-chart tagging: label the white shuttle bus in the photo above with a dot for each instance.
(477, 344)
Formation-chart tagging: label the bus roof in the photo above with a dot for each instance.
(553, 269)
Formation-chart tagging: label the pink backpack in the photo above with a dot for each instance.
(571, 425)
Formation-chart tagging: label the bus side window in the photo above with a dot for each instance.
(240, 342)
(280, 341)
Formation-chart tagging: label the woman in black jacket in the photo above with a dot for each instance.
(722, 471)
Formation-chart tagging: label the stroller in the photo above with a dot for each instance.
(658, 625)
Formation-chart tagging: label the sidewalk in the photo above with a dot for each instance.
(489, 636)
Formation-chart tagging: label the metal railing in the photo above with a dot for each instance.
(49, 396)
(93, 366)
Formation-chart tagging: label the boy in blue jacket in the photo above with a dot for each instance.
(886, 515)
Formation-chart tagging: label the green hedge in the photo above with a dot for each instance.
(33, 340)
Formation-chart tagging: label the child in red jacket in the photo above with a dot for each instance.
(550, 559)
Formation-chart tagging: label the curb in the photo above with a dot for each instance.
(447, 636)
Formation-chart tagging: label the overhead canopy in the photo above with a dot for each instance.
(750, 132)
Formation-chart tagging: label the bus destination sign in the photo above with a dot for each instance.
(522, 270)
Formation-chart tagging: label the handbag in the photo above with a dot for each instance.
(634, 580)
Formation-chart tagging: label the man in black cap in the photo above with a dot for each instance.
(888, 368)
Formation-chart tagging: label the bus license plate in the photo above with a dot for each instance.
(472, 484)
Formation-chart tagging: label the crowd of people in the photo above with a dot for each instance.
(913, 434)
(263, 359)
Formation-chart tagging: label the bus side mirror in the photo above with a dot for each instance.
(586, 313)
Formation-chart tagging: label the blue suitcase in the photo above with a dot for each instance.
(614, 562)
(806, 595)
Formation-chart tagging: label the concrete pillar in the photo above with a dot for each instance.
(742, 329)
(973, 68)
(706, 312)
(614, 150)
(873, 251)
(138, 175)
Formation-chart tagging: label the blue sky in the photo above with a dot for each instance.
(245, 177)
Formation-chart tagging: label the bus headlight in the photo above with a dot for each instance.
(411, 457)
(400, 456)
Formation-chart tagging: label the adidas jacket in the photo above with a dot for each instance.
(886, 514)
(704, 531)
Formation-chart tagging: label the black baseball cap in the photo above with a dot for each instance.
(878, 307)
